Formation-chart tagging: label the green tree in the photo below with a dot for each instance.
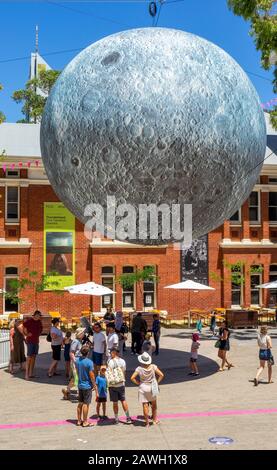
(263, 22)
(33, 101)
(2, 116)
(138, 277)
(34, 283)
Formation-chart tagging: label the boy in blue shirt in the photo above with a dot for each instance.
(86, 383)
(101, 392)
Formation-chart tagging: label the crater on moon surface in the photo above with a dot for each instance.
(154, 116)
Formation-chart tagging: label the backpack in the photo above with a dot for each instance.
(114, 375)
(48, 337)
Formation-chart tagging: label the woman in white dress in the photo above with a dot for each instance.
(148, 385)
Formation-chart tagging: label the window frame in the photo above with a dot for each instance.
(257, 289)
(5, 278)
(258, 206)
(103, 277)
(150, 307)
(269, 206)
(11, 220)
(126, 292)
(236, 222)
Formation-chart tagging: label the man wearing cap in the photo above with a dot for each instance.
(32, 328)
(117, 391)
(75, 351)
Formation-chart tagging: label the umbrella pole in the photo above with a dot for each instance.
(189, 311)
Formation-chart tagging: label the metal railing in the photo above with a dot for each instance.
(4, 348)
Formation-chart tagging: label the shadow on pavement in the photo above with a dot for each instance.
(174, 364)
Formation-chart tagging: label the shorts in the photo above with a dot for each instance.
(101, 399)
(85, 396)
(192, 359)
(264, 354)
(117, 393)
(224, 345)
(56, 352)
(97, 358)
(32, 349)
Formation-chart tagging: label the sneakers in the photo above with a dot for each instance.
(116, 420)
(128, 420)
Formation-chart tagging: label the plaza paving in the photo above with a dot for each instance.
(192, 409)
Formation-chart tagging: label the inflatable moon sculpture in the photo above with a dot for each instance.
(154, 116)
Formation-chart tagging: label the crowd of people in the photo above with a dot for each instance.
(94, 361)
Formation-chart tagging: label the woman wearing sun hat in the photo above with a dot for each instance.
(148, 385)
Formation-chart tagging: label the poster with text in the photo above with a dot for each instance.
(59, 246)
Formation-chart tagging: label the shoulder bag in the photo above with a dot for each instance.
(114, 375)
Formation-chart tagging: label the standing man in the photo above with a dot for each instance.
(99, 347)
(112, 339)
(138, 330)
(117, 390)
(156, 330)
(86, 383)
(32, 328)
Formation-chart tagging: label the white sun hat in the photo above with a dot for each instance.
(145, 358)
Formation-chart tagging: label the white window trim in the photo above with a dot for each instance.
(236, 223)
(103, 309)
(147, 309)
(130, 309)
(259, 288)
(12, 176)
(255, 222)
(10, 276)
(10, 221)
(271, 222)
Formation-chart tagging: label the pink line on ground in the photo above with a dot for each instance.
(161, 416)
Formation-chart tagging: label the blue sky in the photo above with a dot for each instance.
(67, 25)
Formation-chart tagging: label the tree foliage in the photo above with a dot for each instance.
(263, 21)
(34, 95)
(34, 283)
(2, 116)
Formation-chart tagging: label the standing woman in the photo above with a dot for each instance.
(265, 354)
(56, 345)
(224, 346)
(17, 345)
(148, 385)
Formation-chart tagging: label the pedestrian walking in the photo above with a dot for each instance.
(265, 354)
(17, 355)
(194, 355)
(116, 382)
(101, 391)
(156, 330)
(147, 345)
(148, 385)
(32, 328)
(224, 346)
(213, 323)
(67, 344)
(199, 325)
(56, 345)
(138, 330)
(86, 384)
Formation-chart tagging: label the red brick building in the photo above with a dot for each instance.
(249, 238)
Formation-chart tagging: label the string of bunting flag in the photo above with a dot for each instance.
(269, 103)
(11, 166)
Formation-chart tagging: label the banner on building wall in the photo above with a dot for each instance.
(59, 245)
(194, 261)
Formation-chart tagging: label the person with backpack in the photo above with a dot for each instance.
(116, 382)
(138, 330)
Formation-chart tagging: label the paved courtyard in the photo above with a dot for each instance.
(192, 410)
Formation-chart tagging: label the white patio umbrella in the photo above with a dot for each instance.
(189, 286)
(269, 285)
(89, 288)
